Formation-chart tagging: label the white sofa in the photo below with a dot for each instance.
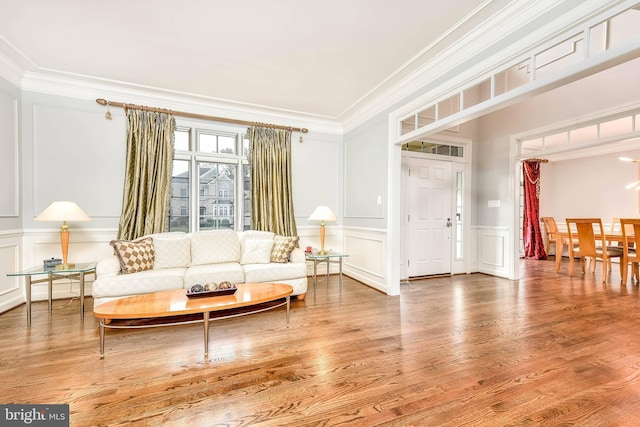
(179, 260)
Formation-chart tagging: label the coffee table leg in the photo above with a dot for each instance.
(28, 292)
(288, 304)
(340, 274)
(50, 292)
(82, 295)
(101, 338)
(206, 335)
(315, 275)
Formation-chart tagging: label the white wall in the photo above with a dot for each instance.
(590, 187)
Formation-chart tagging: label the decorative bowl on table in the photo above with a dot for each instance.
(211, 290)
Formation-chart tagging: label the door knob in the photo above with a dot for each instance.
(448, 222)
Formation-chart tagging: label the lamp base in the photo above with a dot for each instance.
(67, 266)
(322, 252)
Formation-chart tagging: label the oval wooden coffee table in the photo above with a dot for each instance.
(168, 308)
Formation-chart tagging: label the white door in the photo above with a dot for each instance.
(429, 217)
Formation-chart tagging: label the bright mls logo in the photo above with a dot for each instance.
(34, 415)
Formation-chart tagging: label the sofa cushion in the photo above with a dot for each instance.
(139, 283)
(134, 256)
(171, 251)
(212, 247)
(282, 248)
(256, 251)
(202, 274)
(273, 272)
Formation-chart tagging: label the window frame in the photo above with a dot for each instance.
(194, 157)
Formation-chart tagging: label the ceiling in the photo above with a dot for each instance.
(320, 58)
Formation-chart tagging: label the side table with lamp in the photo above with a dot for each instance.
(324, 214)
(54, 269)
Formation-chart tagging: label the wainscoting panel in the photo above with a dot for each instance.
(11, 288)
(492, 249)
(367, 256)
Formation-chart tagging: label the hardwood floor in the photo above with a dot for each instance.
(465, 350)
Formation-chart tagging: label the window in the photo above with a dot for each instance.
(459, 219)
(434, 148)
(204, 181)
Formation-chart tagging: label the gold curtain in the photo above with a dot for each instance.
(271, 190)
(147, 184)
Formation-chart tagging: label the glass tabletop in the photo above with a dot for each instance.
(327, 254)
(79, 268)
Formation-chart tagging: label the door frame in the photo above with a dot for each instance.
(459, 164)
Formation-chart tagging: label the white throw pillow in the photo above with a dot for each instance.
(172, 251)
(256, 251)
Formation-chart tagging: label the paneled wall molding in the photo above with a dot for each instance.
(367, 249)
(11, 233)
(493, 250)
(9, 162)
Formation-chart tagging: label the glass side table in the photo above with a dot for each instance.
(76, 273)
(329, 257)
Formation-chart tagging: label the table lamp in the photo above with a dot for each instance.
(322, 214)
(63, 211)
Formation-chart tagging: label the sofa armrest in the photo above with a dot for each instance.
(108, 266)
(297, 255)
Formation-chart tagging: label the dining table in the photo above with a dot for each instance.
(563, 237)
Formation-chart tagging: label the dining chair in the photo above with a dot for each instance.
(553, 237)
(630, 228)
(551, 231)
(614, 228)
(591, 239)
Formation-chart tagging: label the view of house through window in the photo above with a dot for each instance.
(207, 191)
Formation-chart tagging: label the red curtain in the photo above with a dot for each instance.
(532, 236)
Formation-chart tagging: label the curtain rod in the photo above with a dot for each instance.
(536, 160)
(103, 101)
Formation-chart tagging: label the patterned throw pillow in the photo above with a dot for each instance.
(282, 248)
(134, 256)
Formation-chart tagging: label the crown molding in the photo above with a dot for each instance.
(10, 70)
(87, 88)
(492, 31)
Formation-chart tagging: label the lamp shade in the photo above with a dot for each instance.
(323, 214)
(63, 211)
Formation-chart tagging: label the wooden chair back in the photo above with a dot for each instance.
(583, 231)
(630, 227)
(550, 226)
